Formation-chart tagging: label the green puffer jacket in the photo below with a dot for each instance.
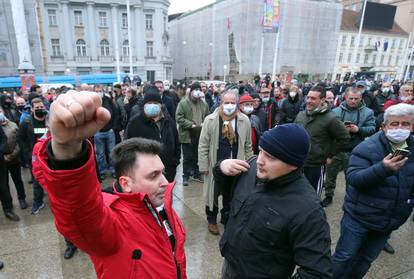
(184, 118)
(327, 134)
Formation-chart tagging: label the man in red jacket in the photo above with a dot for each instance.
(132, 232)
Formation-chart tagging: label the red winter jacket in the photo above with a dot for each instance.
(118, 232)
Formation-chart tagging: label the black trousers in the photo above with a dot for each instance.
(5, 197)
(170, 172)
(190, 157)
(225, 192)
(16, 175)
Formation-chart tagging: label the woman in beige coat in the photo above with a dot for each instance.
(226, 134)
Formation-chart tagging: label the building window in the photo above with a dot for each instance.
(343, 40)
(382, 60)
(394, 43)
(401, 44)
(103, 19)
(125, 48)
(358, 58)
(56, 47)
(352, 41)
(341, 57)
(78, 18)
(374, 59)
(389, 60)
(104, 48)
(52, 17)
(369, 42)
(397, 60)
(124, 20)
(151, 76)
(150, 48)
(80, 47)
(165, 23)
(148, 22)
(361, 41)
(366, 59)
(349, 57)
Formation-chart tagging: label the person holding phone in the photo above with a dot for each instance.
(359, 120)
(379, 194)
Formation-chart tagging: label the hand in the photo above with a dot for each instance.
(328, 161)
(353, 128)
(75, 116)
(233, 167)
(394, 163)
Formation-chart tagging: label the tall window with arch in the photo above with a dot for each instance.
(125, 48)
(104, 47)
(80, 47)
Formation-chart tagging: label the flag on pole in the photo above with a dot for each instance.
(271, 16)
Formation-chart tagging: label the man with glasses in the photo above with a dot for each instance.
(378, 199)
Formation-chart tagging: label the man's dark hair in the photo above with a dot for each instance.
(118, 86)
(35, 101)
(34, 87)
(157, 81)
(124, 155)
(133, 91)
(319, 89)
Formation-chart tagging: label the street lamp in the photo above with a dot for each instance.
(224, 71)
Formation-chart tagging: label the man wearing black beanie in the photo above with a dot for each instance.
(276, 220)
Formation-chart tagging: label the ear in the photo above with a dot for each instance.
(125, 183)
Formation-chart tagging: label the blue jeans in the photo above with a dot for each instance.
(104, 143)
(356, 249)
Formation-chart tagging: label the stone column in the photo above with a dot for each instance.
(115, 18)
(139, 33)
(68, 31)
(19, 21)
(92, 31)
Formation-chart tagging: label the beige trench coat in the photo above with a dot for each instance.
(208, 145)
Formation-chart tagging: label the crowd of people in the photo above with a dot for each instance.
(269, 149)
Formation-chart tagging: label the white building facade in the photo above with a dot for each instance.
(88, 37)
(379, 55)
(224, 38)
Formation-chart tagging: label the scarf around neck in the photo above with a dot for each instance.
(227, 129)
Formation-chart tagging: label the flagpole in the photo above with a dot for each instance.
(129, 40)
(354, 54)
(408, 64)
(261, 56)
(275, 55)
(407, 47)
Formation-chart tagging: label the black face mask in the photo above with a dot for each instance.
(40, 112)
(20, 108)
(7, 105)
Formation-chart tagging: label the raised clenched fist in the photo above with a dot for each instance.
(75, 116)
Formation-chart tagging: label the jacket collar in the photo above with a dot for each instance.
(284, 180)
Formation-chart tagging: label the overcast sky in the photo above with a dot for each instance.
(178, 6)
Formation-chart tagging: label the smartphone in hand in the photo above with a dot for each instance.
(402, 152)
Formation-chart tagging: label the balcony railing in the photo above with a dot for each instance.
(83, 59)
(125, 59)
(106, 59)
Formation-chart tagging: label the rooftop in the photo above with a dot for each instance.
(350, 22)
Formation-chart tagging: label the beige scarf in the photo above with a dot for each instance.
(227, 129)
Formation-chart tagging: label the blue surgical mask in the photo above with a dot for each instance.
(152, 110)
(2, 117)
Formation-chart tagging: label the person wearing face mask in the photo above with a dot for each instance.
(247, 107)
(381, 97)
(290, 106)
(269, 106)
(12, 157)
(20, 104)
(30, 131)
(379, 193)
(405, 96)
(155, 123)
(9, 108)
(190, 115)
(226, 134)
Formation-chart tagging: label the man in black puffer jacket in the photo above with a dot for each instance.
(379, 194)
(155, 123)
(276, 221)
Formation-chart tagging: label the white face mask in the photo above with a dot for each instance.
(229, 109)
(398, 135)
(266, 99)
(166, 87)
(292, 94)
(248, 110)
(196, 93)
